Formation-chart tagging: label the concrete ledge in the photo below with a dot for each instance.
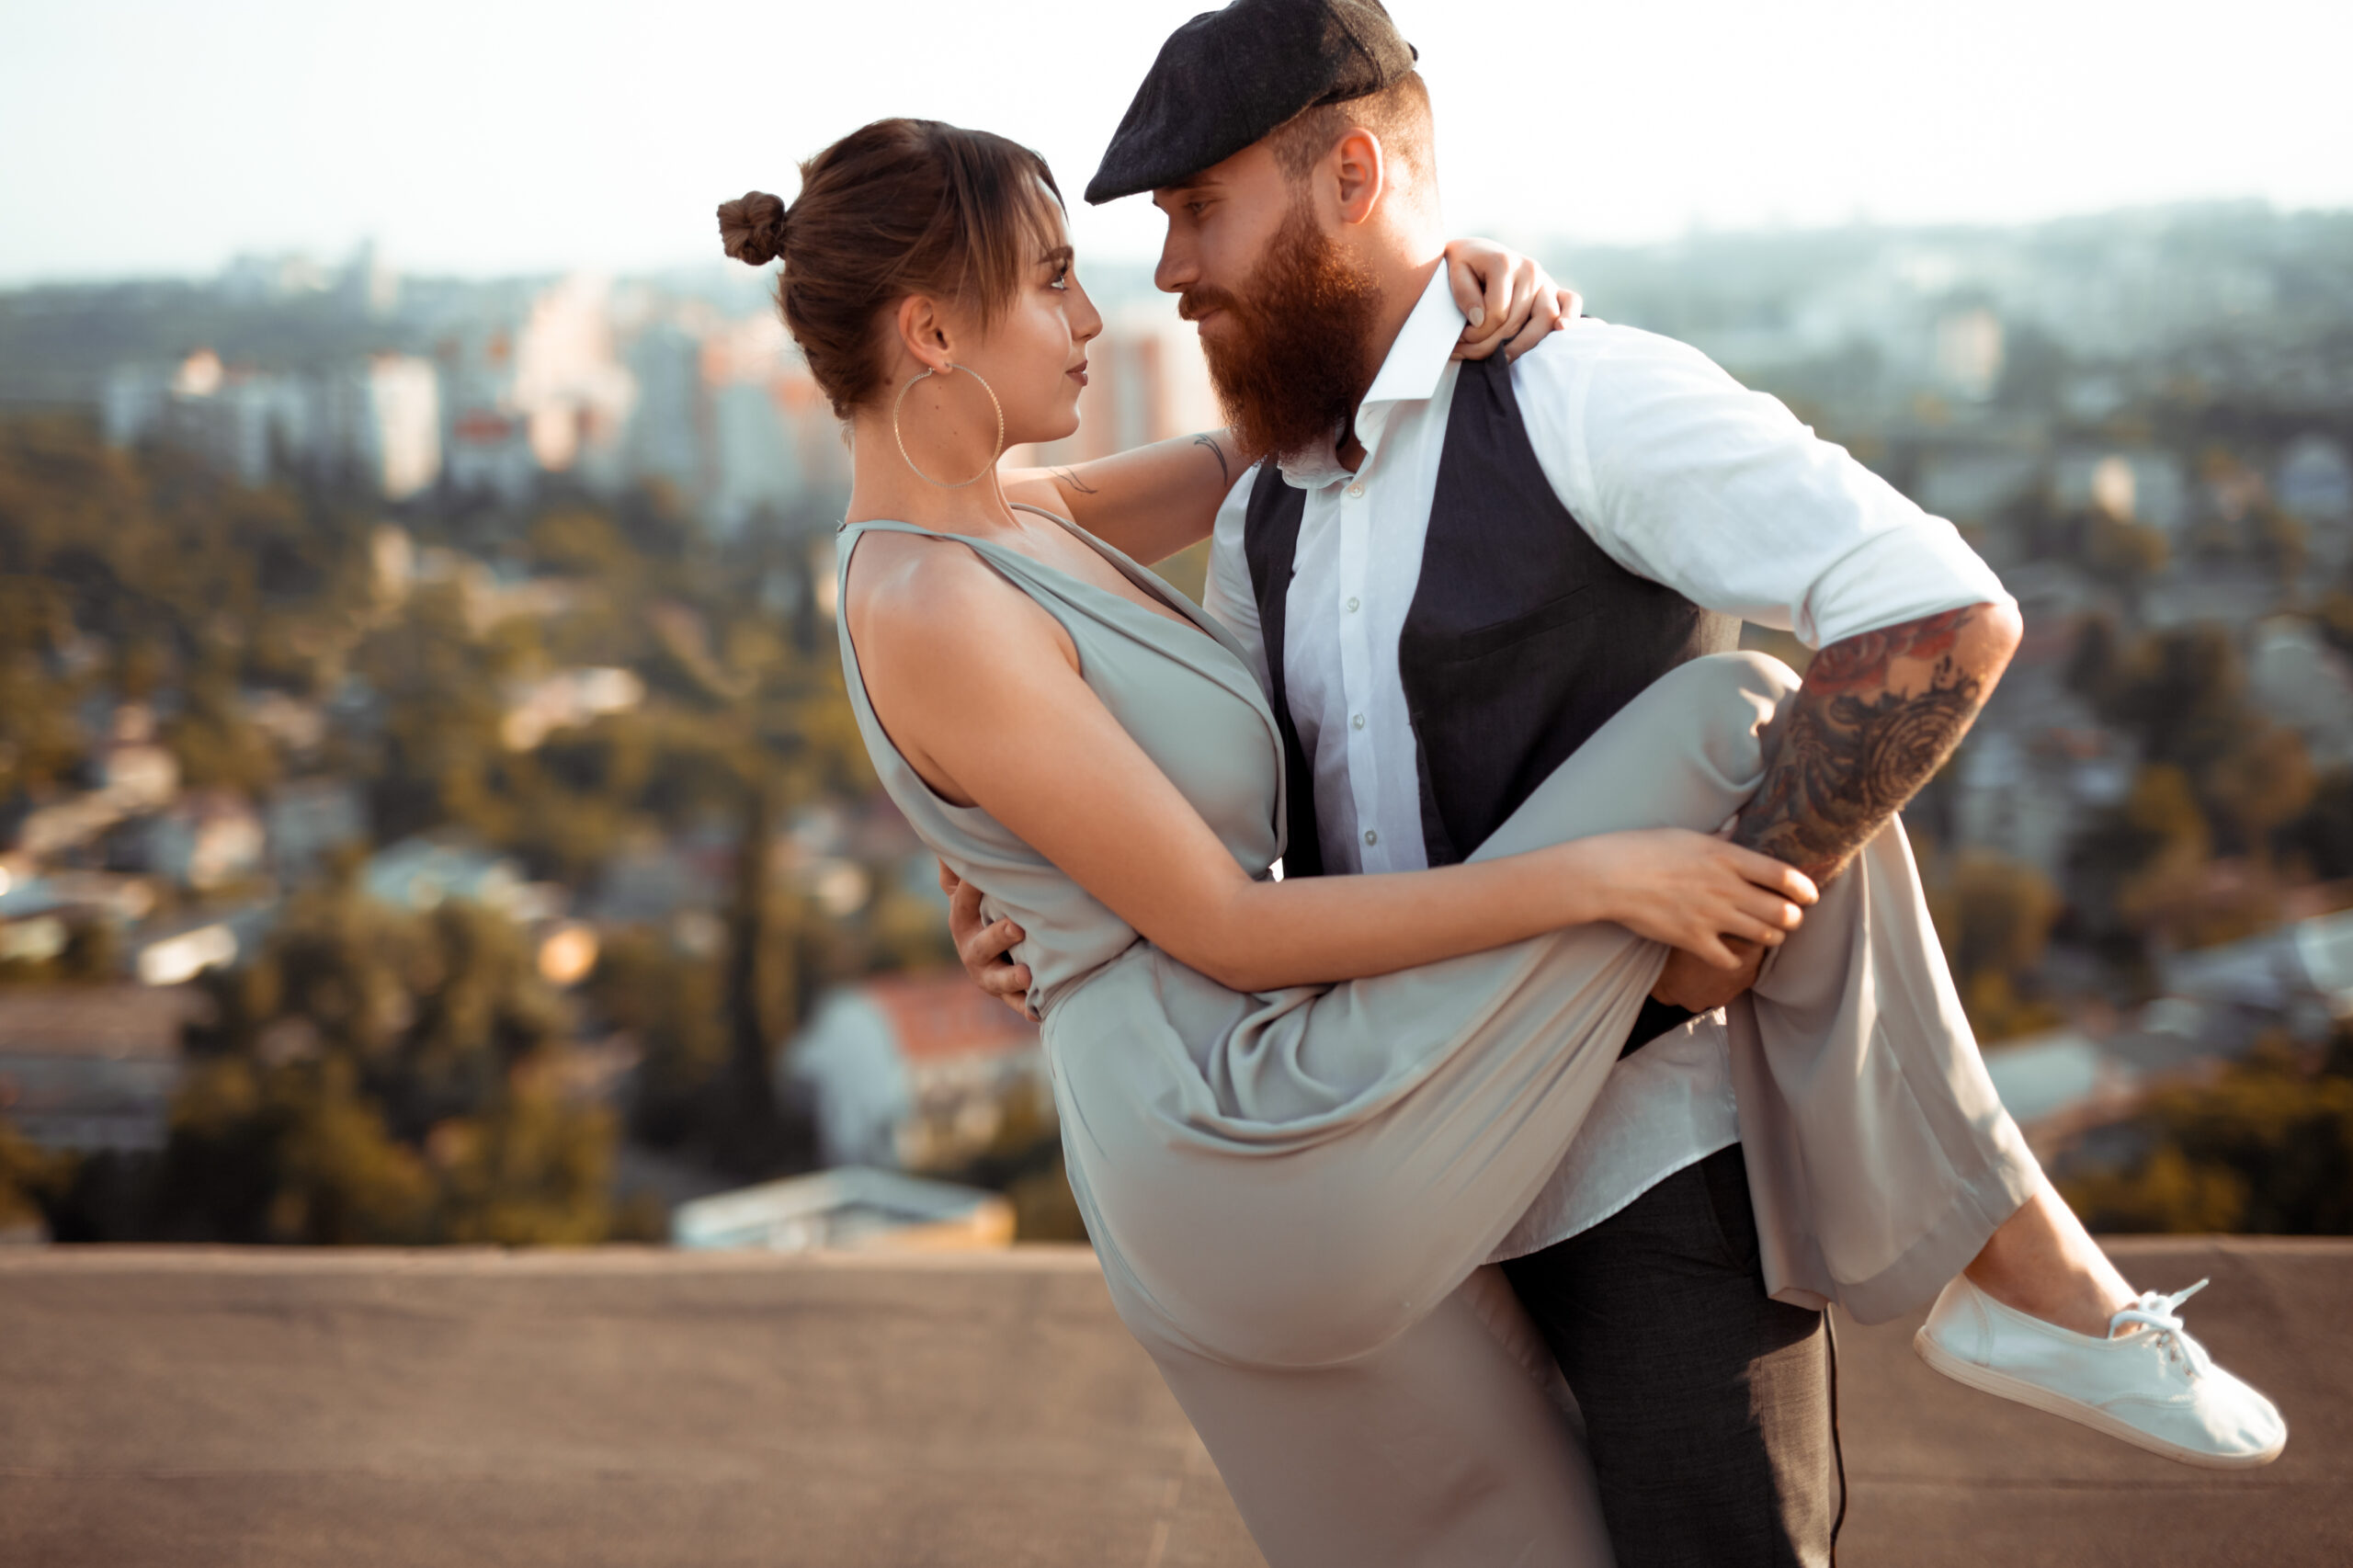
(637, 1405)
(1943, 1477)
(536, 1262)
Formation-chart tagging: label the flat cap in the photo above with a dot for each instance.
(1227, 78)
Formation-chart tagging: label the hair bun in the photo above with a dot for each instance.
(753, 228)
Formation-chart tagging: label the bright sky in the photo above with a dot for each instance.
(143, 137)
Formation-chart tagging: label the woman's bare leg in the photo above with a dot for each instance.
(2043, 1262)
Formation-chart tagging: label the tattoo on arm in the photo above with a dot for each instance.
(1070, 476)
(1850, 748)
(1224, 472)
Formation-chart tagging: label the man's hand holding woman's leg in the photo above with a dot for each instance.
(982, 945)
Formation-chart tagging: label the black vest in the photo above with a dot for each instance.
(1523, 638)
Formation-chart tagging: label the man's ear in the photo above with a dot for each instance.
(923, 332)
(1361, 167)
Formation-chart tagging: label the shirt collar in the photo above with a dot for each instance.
(1423, 349)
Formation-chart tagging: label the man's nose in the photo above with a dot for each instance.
(1176, 271)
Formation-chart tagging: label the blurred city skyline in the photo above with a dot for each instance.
(418, 586)
(526, 138)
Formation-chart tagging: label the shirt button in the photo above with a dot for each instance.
(1356, 489)
(1354, 607)
(1370, 837)
(1358, 721)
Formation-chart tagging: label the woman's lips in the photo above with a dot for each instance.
(1077, 372)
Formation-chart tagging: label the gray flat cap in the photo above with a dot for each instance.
(1226, 78)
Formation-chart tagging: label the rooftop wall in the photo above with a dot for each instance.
(634, 1406)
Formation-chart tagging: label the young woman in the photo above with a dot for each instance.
(1297, 1115)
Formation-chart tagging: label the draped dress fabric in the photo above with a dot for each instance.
(1289, 1189)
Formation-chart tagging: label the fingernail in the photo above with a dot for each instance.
(1478, 315)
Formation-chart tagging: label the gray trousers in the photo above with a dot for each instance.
(1706, 1404)
(1293, 1193)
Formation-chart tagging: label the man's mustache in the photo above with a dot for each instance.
(1195, 303)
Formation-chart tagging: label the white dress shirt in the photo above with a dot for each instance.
(1682, 476)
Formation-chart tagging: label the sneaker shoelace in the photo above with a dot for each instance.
(2160, 1315)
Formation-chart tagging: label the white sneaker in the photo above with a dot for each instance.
(2148, 1382)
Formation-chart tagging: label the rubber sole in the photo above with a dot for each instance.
(2002, 1385)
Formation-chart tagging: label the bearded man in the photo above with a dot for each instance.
(1450, 573)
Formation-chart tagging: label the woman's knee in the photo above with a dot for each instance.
(1744, 680)
(1731, 698)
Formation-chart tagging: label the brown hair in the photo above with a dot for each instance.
(895, 208)
(1399, 114)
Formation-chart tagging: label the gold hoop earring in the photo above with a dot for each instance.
(995, 453)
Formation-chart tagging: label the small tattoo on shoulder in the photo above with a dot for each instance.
(1070, 476)
(1225, 470)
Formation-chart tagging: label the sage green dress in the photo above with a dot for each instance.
(1290, 1190)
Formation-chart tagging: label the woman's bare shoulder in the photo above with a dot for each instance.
(924, 597)
(1036, 487)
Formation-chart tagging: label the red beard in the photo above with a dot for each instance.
(1289, 366)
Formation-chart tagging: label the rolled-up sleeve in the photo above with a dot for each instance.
(1687, 478)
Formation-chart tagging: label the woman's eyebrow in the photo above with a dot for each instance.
(1060, 255)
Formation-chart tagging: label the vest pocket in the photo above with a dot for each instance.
(1480, 643)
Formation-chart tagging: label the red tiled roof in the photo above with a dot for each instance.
(939, 1016)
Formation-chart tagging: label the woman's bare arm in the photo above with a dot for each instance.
(1148, 503)
(1022, 735)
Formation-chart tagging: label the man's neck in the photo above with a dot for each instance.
(1402, 284)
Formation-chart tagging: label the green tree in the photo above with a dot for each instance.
(2266, 1147)
(749, 1135)
(2182, 695)
(341, 1177)
(215, 745)
(1994, 916)
(2283, 542)
(2097, 668)
(382, 1078)
(530, 1170)
(2322, 839)
(382, 1074)
(669, 1002)
(2125, 553)
(2260, 786)
(2336, 619)
(2140, 857)
(288, 1152)
(31, 1179)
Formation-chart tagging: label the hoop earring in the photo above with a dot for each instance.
(995, 453)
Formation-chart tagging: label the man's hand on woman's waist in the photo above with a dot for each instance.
(981, 945)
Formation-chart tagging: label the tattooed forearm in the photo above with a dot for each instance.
(1070, 476)
(1224, 471)
(1878, 716)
